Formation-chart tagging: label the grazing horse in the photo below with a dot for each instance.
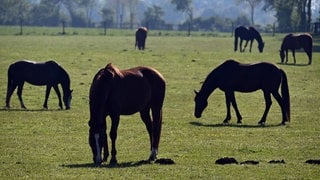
(233, 76)
(117, 92)
(47, 73)
(296, 41)
(248, 35)
(141, 36)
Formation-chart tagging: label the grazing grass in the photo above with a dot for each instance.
(37, 143)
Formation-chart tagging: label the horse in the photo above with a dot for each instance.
(249, 35)
(115, 92)
(141, 36)
(47, 73)
(233, 76)
(296, 41)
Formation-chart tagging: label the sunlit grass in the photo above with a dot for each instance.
(38, 143)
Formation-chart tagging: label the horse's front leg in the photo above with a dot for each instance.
(45, 104)
(294, 56)
(244, 48)
(56, 88)
(268, 101)
(19, 92)
(287, 56)
(113, 135)
(250, 45)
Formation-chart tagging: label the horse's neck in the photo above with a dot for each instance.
(65, 82)
(207, 88)
(258, 38)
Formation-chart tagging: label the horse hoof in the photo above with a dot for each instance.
(113, 163)
(261, 123)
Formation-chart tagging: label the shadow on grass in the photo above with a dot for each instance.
(235, 125)
(29, 110)
(292, 64)
(103, 165)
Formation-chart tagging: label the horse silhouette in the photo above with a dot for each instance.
(248, 35)
(115, 92)
(293, 42)
(233, 76)
(47, 73)
(141, 36)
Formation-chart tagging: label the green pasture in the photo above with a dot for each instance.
(53, 144)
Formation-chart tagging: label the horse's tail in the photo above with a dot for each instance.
(285, 94)
(9, 85)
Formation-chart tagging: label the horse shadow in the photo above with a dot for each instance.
(119, 165)
(220, 125)
(28, 110)
(293, 64)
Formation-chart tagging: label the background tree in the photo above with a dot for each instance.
(253, 4)
(185, 6)
(153, 18)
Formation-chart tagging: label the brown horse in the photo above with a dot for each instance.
(141, 36)
(117, 92)
(296, 41)
(247, 34)
(233, 76)
(47, 73)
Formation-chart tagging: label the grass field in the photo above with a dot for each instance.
(38, 144)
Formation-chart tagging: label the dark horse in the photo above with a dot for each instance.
(233, 76)
(141, 36)
(248, 35)
(117, 92)
(296, 41)
(48, 73)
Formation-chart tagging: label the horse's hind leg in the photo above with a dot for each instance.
(55, 87)
(145, 116)
(309, 53)
(10, 91)
(277, 96)
(268, 101)
(45, 104)
(235, 106)
(20, 87)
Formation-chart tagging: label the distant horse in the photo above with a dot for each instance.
(117, 92)
(296, 41)
(248, 35)
(141, 36)
(233, 76)
(48, 73)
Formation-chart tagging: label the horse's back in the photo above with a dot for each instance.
(297, 41)
(36, 73)
(249, 77)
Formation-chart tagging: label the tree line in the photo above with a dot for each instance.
(291, 15)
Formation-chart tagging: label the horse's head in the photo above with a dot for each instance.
(282, 55)
(67, 96)
(260, 47)
(96, 142)
(200, 104)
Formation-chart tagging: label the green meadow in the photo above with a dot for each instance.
(53, 144)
